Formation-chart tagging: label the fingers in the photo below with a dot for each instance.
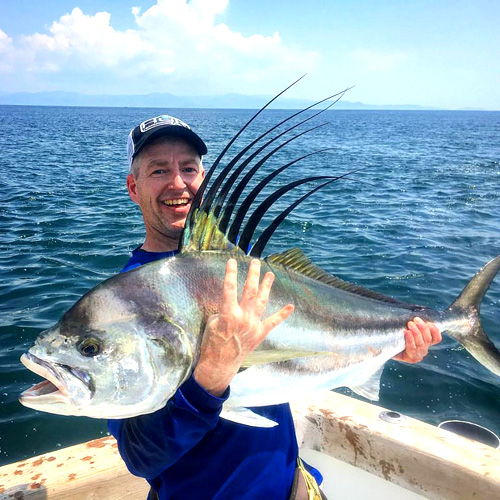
(251, 288)
(414, 351)
(429, 331)
(418, 338)
(411, 347)
(230, 287)
(254, 298)
(263, 294)
(421, 332)
(275, 319)
(422, 339)
(435, 333)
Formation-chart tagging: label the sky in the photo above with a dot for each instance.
(435, 53)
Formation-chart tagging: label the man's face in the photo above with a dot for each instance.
(168, 176)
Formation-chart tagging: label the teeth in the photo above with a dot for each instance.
(182, 201)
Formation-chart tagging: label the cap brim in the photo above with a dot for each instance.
(172, 131)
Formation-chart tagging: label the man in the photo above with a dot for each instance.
(184, 450)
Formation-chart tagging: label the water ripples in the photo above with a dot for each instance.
(416, 222)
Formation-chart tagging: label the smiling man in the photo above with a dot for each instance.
(164, 177)
(185, 450)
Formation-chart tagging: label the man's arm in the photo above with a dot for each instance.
(149, 444)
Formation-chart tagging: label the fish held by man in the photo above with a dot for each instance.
(126, 346)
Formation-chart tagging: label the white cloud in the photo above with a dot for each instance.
(5, 42)
(82, 39)
(176, 46)
(373, 61)
(6, 53)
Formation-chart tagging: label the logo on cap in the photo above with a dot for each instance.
(158, 121)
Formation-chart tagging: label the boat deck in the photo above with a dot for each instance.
(360, 455)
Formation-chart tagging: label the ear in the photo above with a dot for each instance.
(132, 188)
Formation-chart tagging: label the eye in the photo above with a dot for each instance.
(89, 347)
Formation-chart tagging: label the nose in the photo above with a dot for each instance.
(177, 182)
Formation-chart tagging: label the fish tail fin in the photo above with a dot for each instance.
(468, 303)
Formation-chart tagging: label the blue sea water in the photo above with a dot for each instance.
(416, 223)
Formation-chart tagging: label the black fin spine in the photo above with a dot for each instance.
(247, 233)
(235, 195)
(262, 240)
(213, 207)
(195, 204)
(221, 197)
(208, 199)
(268, 232)
(250, 198)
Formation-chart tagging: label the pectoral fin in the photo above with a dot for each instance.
(245, 416)
(371, 388)
(264, 357)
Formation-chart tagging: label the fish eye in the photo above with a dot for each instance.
(89, 347)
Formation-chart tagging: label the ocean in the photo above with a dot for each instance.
(417, 221)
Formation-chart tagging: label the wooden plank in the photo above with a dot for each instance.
(87, 471)
(419, 457)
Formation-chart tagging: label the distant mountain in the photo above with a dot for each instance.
(158, 100)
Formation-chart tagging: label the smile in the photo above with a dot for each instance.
(180, 201)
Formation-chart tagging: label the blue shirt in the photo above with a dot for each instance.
(186, 451)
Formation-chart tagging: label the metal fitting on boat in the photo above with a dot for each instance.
(392, 417)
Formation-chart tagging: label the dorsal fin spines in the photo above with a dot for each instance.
(237, 192)
(198, 198)
(229, 184)
(209, 215)
(213, 201)
(255, 218)
(250, 198)
(221, 197)
(206, 202)
(258, 247)
(207, 236)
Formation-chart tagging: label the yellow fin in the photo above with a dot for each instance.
(205, 236)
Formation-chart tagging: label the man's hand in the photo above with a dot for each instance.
(419, 337)
(237, 329)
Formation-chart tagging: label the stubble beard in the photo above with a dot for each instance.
(161, 231)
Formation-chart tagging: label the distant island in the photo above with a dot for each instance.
(160, 100)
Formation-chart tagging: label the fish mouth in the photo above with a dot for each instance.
(61, 380)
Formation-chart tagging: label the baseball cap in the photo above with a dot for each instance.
(159, 126)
